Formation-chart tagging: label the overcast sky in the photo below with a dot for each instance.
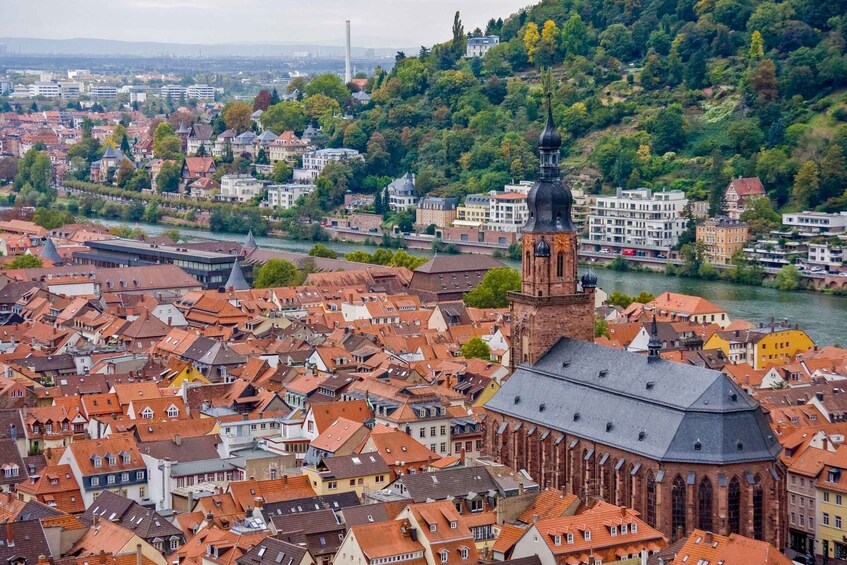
(375, 23)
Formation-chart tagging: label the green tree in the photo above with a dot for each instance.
(669, 131)
(25, 262)
(475, 348)
(168, 178)
(276, 272)
(491, 292)
(574, 37)
(321, 250)
(284, 116)
(761, 216)
(329, 85)
(458, 42)
(788, 278)
(281, 172)
(172, 234)
(52, 218)
(601, 327)
(833, 173)
(166, 144)
(806, 183)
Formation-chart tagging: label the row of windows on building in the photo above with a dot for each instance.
(441, 431)
(332, 485)
(112, 479)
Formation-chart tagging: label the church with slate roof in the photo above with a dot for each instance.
(682, 445)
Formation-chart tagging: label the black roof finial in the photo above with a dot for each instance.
(655, 344)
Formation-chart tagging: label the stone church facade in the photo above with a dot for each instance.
(682, 445)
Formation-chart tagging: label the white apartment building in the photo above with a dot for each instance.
(103, 92)
(508, 212)
(284, 196)
(816, 222)
(640, 219)
(173, 91)
(315, 161)
(826, 254)
(44, 89)
(479, 46)
(239, 188)
(200, 92)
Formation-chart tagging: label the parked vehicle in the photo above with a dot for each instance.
(628, 252)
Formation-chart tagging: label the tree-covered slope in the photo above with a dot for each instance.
(662, 93)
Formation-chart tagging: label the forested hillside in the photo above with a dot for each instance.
(659, 93)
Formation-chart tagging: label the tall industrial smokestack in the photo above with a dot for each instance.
(348, 76)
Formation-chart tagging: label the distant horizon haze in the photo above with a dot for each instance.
(375, 23)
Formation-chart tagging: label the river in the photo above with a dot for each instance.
(823, 316)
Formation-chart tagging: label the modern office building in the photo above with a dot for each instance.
(211, 269)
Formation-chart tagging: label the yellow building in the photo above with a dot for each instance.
(362, 473)
(761, 347)
(722, 237)
(831, 502)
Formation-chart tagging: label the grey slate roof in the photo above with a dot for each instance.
(271, 551)
(146, 523)
(334, 502)
(250, 242)
(49, 252)
(458, 482)
(236, 278)
(403, 186)
(655, 408)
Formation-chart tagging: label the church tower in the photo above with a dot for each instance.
(550, 304)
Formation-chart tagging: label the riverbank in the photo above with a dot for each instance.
(828, 325)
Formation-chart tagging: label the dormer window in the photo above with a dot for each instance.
(125, 457)
(623, 528)
(113, 460)
(613, 531)
(464, 552)
(587, 535)
(557, 539)
(444, 555)
(173, 411)
(147, 413)
(453, 524)
(433, 527)
(633, 528)
(97, 462)
(570, 537)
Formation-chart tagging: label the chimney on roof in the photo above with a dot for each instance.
(10, 534)
(285, 480)
(709, 537)
(535, 518)
(102, 556)
(177, 439)
(138, 560)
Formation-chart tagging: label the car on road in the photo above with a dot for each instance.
(661, 256)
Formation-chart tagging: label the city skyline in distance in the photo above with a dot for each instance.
(375, 24)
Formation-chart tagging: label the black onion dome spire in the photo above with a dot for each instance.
(550, 138)
(550, 200)
(589, 280)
